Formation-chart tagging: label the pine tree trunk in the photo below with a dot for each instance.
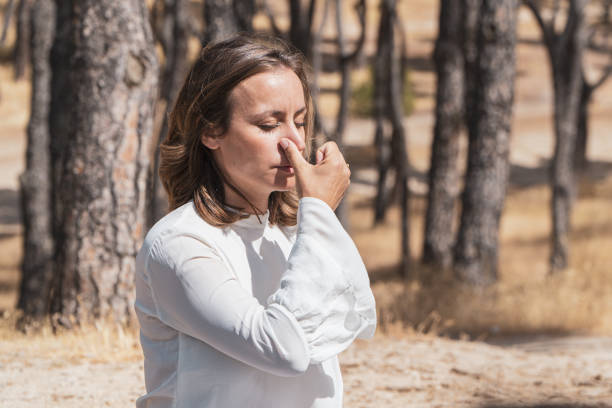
(37, 266)
(219, 19)
(113, 70)
(174, 71)
(22, 42)
(580, 153)
(565, 52)
(489, 128)
(567, 76)
(316, 62)
(344, 95)
(471, 18)
(444, 164)
(59, 114)
(301, 22)
(244, 10)
(398, 137)
(345, 62)
(381, 112)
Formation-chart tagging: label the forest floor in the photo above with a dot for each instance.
(387, 371)
(532, 340)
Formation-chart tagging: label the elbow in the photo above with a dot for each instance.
(289, 346)
(293, 363)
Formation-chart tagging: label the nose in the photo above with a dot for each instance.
(294, 134)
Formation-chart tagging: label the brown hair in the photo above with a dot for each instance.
(187, 168)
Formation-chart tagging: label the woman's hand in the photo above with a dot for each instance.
(327, 180)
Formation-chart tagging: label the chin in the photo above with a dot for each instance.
(289, 185)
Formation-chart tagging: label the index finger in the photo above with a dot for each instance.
(294, 156)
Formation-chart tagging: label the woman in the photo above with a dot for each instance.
(249, 288)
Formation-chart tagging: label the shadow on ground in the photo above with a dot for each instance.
(9, 207)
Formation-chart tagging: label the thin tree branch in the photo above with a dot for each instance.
(360, 9)
(271, 18)
(576, 7)
(8, 12)
(602, 79)
(555, 13)
(311, 10)
(606, 73)
(316, 68)
(548, 30)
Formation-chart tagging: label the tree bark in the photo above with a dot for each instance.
(244, 10)
(59, 116)
(489, 128)
(176, 65)
(582, 131)
(381, 98)
(345, 62)
(22, 42)
(317, 62)
(301, 22)
(113, 70)
(567, 77)
(586, 96)
(398, 137)
(8, 13)
(565, 51)
(388, 105)
(471, 17)
(449, 113)
(37, 265)
(344, 95)
(220, 21)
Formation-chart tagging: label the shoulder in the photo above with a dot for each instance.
(181, 234)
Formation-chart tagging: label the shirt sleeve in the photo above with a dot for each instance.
(326, 286)
(198, 296)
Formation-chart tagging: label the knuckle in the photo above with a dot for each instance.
(331, 146)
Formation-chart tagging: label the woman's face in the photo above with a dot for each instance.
(265, 108)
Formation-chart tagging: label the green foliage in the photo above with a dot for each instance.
(362, 98)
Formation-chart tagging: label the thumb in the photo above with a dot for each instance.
(293, 155)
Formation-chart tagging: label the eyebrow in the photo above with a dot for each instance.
(277, 113)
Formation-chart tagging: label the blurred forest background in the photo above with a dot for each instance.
(478, 133)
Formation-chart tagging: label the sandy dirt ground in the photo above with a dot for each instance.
(384, 372)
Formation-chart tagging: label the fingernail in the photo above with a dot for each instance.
(284, 143)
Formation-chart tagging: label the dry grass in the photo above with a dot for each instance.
(527, 299)
(102, 342)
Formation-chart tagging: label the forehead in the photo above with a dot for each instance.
(278, 89)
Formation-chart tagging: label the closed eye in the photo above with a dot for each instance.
(269, 127)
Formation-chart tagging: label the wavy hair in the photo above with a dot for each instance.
(187, 169)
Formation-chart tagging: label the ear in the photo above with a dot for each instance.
(209, 140)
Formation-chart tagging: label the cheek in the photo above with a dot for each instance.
(255, 155)
(265, 151)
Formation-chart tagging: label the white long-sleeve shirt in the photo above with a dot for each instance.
(249, 315)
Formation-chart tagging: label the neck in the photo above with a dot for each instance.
(234, 199)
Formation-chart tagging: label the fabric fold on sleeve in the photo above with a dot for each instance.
(326, 285)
